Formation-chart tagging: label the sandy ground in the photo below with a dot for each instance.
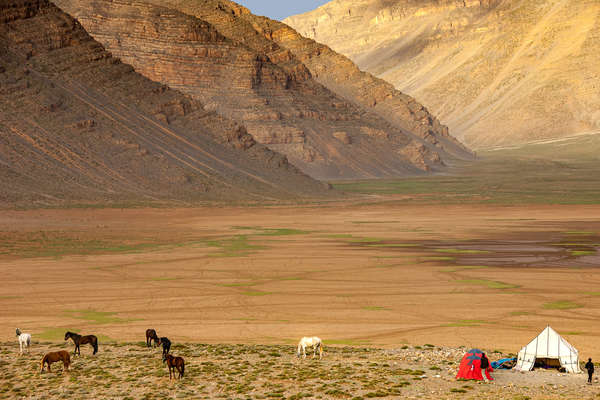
(376, 274)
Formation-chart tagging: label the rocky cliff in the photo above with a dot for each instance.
(497, 72)
(218, 53)
(78, 125)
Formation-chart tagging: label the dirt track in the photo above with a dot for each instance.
(372, 275)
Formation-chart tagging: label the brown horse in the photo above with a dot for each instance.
(79, 340)
(55, 357)
(173, 363)
(150, 336)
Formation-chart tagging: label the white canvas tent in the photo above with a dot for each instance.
(549, 347)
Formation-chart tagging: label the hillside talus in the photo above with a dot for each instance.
(497, 72)
(78, 125)
(215, 53)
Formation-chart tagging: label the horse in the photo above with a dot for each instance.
(174, 363)
(24, 341)
(166, 345)
(150, 336)
(55, 357)
(315, 342)
(79, 340)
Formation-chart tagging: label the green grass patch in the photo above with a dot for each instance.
(256, 293)
(365, 240)
(463, 267)
(392, 245)
(437, 258)
(579, 233)
(375, 308)
(488, 283)
(236, 246)
(592, 293)
(98, 317)
(579, 253)
(58, 335)
(561, 305)
(461, 251)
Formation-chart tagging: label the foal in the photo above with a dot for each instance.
(150, 336)
(166, 345)
(79, 340)
(174, 363)
(24, 341)
(56, 356)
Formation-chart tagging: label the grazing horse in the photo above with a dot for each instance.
(150, 336)
(55, 357)
(79, 340)
(174, 363)
(313, 342)
(166, 345)
(24, 341)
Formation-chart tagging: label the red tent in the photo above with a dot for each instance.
(470, 366)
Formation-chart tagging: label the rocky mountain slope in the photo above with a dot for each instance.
(77, 124)
(219, 53)
(497, 72)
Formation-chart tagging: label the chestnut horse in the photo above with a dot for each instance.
(56, 356)
(79, 340)
(174, 363)
(150, 336)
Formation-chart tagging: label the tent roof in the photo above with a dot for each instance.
(549, 344)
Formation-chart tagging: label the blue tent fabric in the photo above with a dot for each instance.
(499, 364)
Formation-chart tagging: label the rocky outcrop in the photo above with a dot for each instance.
(78, 125)
(218, 53)
(497, 72)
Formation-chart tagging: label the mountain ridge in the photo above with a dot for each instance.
(80, 126)
(271, 91)
(497, 72)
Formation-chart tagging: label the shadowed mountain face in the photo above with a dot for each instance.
(76, 124)
(233, 62)
(497, 72)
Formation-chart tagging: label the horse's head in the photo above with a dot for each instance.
(67, 335)
(18, 332)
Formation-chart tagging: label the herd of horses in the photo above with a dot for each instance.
(176, 365)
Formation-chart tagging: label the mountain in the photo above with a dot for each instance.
(497, 72)
(222, 55)
(78, 125)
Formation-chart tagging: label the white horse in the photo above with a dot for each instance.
(24, 341)
(313, 342)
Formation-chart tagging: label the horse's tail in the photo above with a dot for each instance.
(42, 363)
(320, 349)
(28, 341)
(182, 368)
(299, 349)
(95, 344)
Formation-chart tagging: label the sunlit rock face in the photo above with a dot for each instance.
(328, 118)
(497, 72)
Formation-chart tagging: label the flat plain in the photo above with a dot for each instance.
(370, 275)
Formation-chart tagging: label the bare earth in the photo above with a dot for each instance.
(377, 275)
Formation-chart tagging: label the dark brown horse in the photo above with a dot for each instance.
(79, 340)
(174, 363)
(56, 356)
(150, 336)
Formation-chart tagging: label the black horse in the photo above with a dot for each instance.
(150, 336)
(166, 345)
(79, 340)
